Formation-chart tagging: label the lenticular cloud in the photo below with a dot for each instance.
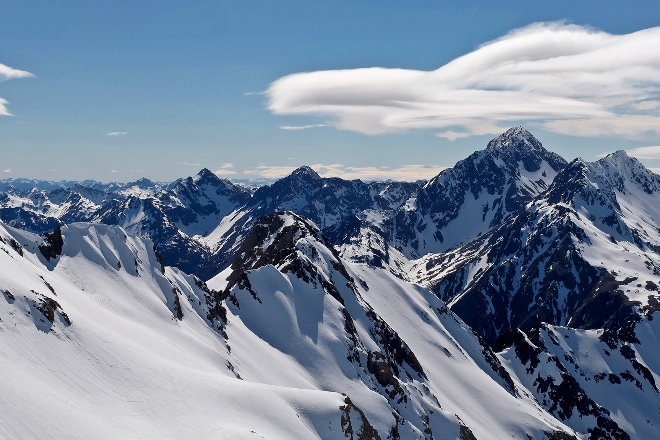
(571, 79)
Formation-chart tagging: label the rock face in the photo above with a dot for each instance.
(475, 195)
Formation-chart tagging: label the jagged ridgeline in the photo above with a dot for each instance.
(511, 296)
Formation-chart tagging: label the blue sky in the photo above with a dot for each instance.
(124, 89)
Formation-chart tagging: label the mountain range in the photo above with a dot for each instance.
(511, 296)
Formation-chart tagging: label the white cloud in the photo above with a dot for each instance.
(301, 127)
(7, 73)
(405, 173)
(646, 105)
(270, 171)
(3, 107)
(226, 169)
(655, 170)
(645, 152)
(116, 133)
(190, 164)
(571, 79)
(7, 171)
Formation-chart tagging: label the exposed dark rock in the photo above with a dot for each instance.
(559, 435)
(53, 243)
(396, 350)
(16, 246)
(176, 303)
(9, 296)
(159, 259)
(382, 370)
(465, 433)
(49, 307)
(365, 432)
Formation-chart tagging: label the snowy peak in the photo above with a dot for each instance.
(302, 182)
(616, 189)
(615, 173)
(518, 148)
(477, 194)
(207, 185)
(272, 235)
(207, 177)
(305, 172)
(570, 181)
(291, 244)
(515, 137)
(623, 171)
(142, 183)
(580, 254)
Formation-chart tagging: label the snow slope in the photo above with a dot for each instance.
(100, 340)
(586, 377)
(414, 368)
(92, 348)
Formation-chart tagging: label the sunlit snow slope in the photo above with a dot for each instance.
(93, 347)
(100, 341)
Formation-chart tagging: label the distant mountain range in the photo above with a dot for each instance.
(511, 296)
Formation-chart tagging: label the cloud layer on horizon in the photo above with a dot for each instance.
(409, 173)
(568, 79)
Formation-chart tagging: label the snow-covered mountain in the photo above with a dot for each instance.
(512, 296)
(585, 254)
(100, 339)
(578, 270)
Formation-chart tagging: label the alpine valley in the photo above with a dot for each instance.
(511, 296)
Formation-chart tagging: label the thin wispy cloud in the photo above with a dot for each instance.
(7, 171)
(7, 73)
(226, 169)
(408, 173)
(566, 78)
(190, 164)
(301, 127)
(116, 133)
(645, 152)
(3, 107)
(269, 171)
